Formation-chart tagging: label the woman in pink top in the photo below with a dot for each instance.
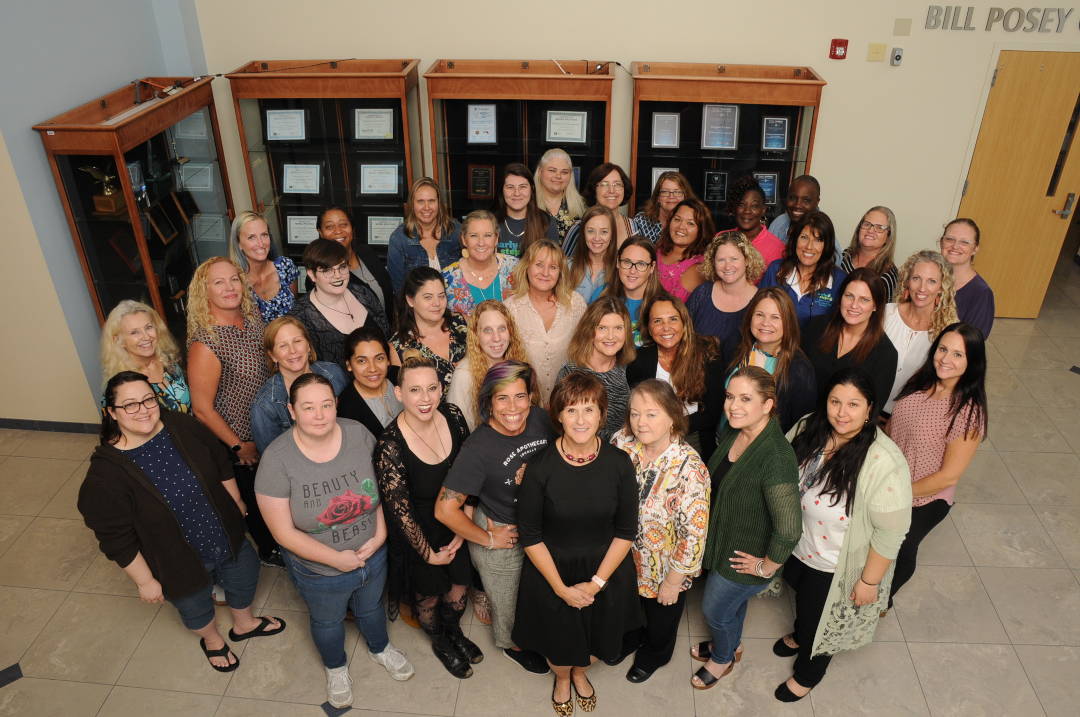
(938, 421)
(746, 203)
(681, 247)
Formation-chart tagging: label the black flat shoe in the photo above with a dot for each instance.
(784, 693)
(782, 649)
(638, 675)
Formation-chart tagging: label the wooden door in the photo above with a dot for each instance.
(1025, 169)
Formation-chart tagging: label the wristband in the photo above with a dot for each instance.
(491, 540)
(758, 568)
(235, 448)
(871, 585)
(600, 582)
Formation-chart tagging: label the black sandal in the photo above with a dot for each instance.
(259, 631)
(782, 649)
(454, 662)
(223, 652)
(708, 680)
(704, 652)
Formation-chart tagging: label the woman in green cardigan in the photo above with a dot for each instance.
(754, 523)
(855, 494)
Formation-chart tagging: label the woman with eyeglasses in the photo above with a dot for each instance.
(556, 190)
(520, 220)
(272, 278)
(335, 306)
(334, 223)
(427, 237)
(608, 186)
(974, 297)
(635, 282)
(746, 203)
(670, 189)
(872, 246)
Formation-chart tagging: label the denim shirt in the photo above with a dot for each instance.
(405, 253)
(270, 409)
(808, 306)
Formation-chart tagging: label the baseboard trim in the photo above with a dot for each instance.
(57, 426)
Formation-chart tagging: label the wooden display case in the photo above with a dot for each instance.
(144, 190)
(517, 110)
(318, 133)
(715, 123)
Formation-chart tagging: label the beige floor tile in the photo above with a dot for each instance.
(106, 578)
(64, 502)
(873, 680)
(28, 484)
(994, 359)
(1027, 429)
(237, 707)
(1013, 327)
(23, 612)
(11, 527)
(988, 480)
(888, 629)
(1055, 673)
(497, 686)
(51, 444)
(89, 639)
(1032, 353)
(1063, 525)
(51, 698)
(267, 578)
(10, 438)
(1067, 421)
(748, 690)
(668, 691)
(285, 667)
(1004, 388)
(943, 546)
(1046, 478)
(973, 680)
(51, 553)
(130, 701)
(282, 595)
(1036, 606)
(1070, 349)
(1053, 388)
(1004, 536)
(169, 657)
(947, 604)
(1058, 321)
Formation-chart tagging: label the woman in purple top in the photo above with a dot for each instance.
(974, 297)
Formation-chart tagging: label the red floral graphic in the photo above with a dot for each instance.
(344, 509)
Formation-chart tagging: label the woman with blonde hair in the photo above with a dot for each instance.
(427, 237)
(872, 246)
(731, 269)
(556, 190)
(925, 305)
(546, 310)
(272, 278)
(592, 262)
(670, 189)
(481, 273)
(492, 337)
(226, 368)
(135, 338)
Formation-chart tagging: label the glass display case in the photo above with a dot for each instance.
(144, 189)
(716, 123)
(486, 114)
(329, 133)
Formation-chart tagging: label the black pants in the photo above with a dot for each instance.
(923, 519)
(811, 591)
(655, 640)
(245, 481)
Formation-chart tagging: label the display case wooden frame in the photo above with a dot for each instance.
(349, 81)
(108, 127)
(705, 83)
(569, 81)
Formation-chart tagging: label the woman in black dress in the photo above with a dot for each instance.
(428, 569)
(577, 518)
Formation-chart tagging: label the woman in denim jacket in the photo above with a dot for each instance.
(429, 236)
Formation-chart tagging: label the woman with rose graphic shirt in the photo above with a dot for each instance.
(316, 488)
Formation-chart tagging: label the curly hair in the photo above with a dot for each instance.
(945, 305)
(199, 317)
(755, 264)
(478, 364)
(519, 278)
(692, 355)
(115, 358)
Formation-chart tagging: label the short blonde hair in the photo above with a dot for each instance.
(520, 276)
(199, 317)
(114, 358)
(945, 308)
(755, 264)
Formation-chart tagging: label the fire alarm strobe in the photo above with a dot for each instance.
(838, 49)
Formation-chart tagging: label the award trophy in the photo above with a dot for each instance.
(110, 200)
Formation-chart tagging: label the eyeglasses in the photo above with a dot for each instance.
(134, 406)
(672, 193)
(876, 228)
(609, 185)
(963, 243)
(342, 269)
(638, 266)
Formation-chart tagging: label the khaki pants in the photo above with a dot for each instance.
(500, 570)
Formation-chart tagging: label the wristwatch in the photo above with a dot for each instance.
(600, 582)
(236, 448)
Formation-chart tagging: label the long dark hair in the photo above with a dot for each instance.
(706, 229)
(819, 222)
(110, 429)
(840, 472)
(875, 327)
(536, 221)
(969, 394)
(789, 343)
(414, 280)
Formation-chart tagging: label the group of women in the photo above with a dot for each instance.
(569, 416)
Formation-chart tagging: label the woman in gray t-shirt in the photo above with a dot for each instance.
(317, 490)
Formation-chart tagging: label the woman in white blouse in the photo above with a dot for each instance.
(546, 310)
(926, 303)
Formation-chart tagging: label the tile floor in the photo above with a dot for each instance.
(989, 625)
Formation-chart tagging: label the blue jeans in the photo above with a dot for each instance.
(327, 598)
(724, 607)
(239, 576)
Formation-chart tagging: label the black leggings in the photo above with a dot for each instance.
(923, 519)
(811, 593)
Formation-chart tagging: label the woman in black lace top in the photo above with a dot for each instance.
(428, 569)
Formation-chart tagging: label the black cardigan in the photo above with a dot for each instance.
(129, 516)
(702, 421)
(328, 342)
(352, 405)
(880, 365)
(377, 267)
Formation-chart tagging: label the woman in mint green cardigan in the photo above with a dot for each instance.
(855, 495)
(754, 522)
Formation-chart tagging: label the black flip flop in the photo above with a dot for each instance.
(259, 631)
(223, 652)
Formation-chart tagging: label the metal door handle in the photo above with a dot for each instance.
(1064, 213)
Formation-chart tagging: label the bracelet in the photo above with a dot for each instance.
(758, 568)
(491, 540)
(871, 585)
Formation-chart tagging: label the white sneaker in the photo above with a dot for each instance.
(395, 662)
(338, 686)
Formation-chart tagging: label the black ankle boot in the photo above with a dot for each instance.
(451, 627)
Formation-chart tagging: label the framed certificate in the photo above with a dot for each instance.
(720, 127)
(657, 171)
(192, 127)
(567, 126)
(482, 127)
(286, 125)
(373, 123)
(774, 134)
(715, 186)
(665, 130)
(209, 228)
(301, 229)
(300, 179)
(378, 179)
(197, 176)
(767, 180)
(379, 229)
(481, 181)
